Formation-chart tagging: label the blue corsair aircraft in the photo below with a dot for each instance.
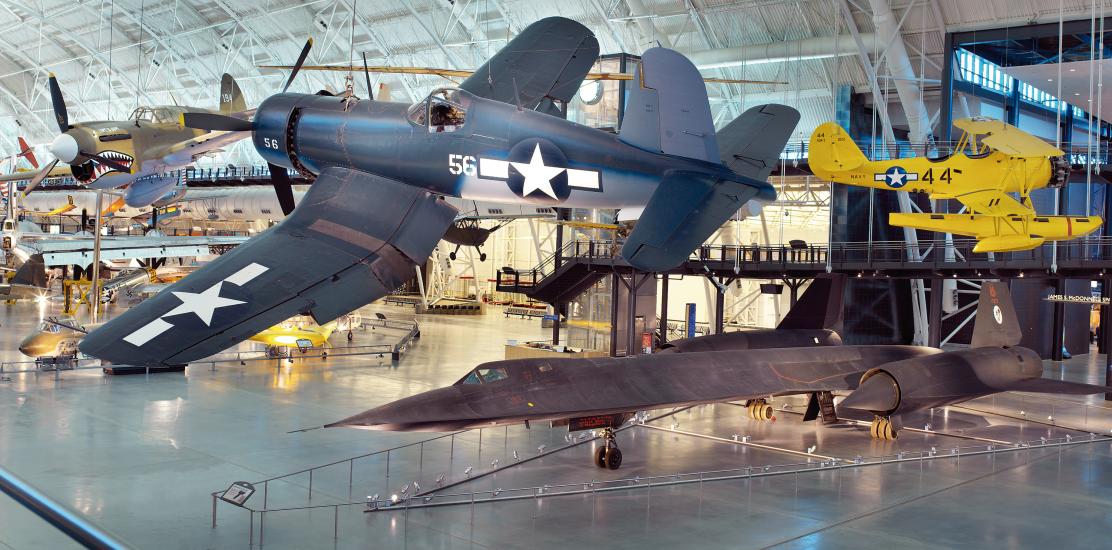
(380, 169)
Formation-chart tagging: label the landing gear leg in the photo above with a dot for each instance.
(608, 456)
(882, 429)
(482, 255)
(759, 409)
(452, 254)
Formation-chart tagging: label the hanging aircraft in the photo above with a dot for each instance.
(374, 210)
(991, 161)
(604, 393)
(136, 153)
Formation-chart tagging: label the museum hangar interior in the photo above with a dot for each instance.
(497, 273)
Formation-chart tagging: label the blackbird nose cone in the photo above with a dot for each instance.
(878, 393)
(64, 148)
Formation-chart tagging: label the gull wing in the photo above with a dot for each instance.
(548, 60)
(353, 238)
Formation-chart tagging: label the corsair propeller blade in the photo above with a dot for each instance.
(300, 61)
(283, 187)
(59, 103)
(215, 122)
(41, 175)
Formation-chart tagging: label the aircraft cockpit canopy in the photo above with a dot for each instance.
(157, 115)
(485, 375)
(444, 110)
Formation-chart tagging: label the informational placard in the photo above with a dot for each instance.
(238, 493)
(690, 320)
(596, 422)
(1078, 299)
(646, 342)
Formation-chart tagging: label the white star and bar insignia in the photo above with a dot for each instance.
(202, 304)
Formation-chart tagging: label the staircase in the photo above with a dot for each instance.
(564, 275)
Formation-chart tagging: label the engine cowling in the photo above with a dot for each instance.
(942, 379)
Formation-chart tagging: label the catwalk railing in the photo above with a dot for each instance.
(869, 259)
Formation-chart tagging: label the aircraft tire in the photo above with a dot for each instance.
(600, 457)
(613, 458)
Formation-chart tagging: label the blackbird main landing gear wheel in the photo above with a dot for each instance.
(882, 429)
(759, 409)
(608, 456)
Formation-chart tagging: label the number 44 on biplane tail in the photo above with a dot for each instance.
(992, 172)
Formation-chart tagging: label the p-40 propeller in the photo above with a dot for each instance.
(279, 176)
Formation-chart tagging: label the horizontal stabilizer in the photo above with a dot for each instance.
(996, 324)
(1047, 385)
(353, 238)
(667, 110)
(820, 307)
(751, 143)
(685, 210)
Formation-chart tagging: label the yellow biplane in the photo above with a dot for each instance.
(991, 161)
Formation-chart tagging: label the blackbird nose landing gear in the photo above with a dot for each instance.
(882, 429)
(608, 456)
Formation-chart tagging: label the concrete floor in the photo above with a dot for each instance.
(140, 455)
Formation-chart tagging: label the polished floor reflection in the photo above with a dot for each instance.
(139, 455)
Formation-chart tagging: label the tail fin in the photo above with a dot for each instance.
(231, 98)
(832, 151)
(751, 144)
(996, 324)
(27, 152)
(31, 273)
(667, 110)
(820, 307)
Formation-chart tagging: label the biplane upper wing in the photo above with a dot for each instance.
(1007, 138)
(548, 60)
(992, 202)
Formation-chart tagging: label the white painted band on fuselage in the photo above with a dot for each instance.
(492, 168)
(582, 179)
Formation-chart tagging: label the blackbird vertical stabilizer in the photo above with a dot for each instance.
(996, 324)
(820, 307)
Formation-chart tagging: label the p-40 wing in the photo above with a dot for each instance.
(353, 238)
(548, 60)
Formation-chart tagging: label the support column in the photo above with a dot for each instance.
(1058, 322)
(1103, 327)
(719, 308)
(934, 321)
(1106, 312)
(558, 309)
(615, 280)
(664, 309)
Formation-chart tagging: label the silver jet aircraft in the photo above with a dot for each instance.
(375, 211)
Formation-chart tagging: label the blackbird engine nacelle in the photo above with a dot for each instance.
(942, 379)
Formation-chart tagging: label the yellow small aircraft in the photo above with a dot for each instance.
(991, 161)
(299, 332)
